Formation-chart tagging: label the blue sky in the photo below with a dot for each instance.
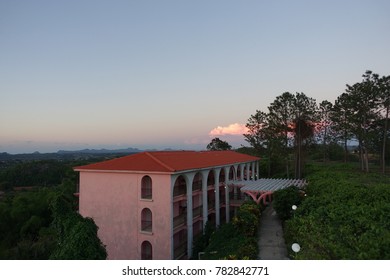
(172, 74)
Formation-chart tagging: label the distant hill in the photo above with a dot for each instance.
(62, 155)
(102, 151)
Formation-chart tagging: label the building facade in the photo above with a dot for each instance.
(152, 205)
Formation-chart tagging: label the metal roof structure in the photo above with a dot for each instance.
(263, 189)
(265, 185)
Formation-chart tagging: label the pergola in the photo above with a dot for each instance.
(263, 189)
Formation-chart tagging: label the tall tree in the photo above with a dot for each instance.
(281, 116)
(363, 101)
(384, 105)
(264, 139)
(305, 117)
(340, 116)
(324, 126)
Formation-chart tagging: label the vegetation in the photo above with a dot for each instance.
(294, 124)
(42, 222)
(76, 236)
(284, 200)
(235, 240)
(343, 216)
(217, 144)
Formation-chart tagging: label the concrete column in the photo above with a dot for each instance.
(247, 171)
(227, 203)
(217, 206)
(257, 170)
(242, 172)
(173, 180)
(253, 177)
(205, 209)
(189, 180)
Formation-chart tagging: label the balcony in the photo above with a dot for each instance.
(180, 251)
(197, 186)
(197, 212)
(180, 220)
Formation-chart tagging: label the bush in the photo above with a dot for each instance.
(237, 239)
(345, 216)
(284, 200)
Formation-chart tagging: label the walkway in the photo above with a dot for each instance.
(271, 242)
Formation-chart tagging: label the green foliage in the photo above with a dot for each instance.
(284, 200)
(344, 216)
(24, 225)
(35, 173)
(237, 239)
(217, 144)
(294, 122)
(247, 219)
(77, 236)
(30, 229)
(201, 243)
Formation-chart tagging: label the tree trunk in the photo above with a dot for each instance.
(385, 141)
(361, 155)
(324, 145)
(345, 149)
(286, 158)
(366, 159)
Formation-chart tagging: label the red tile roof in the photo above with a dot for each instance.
(169, 161)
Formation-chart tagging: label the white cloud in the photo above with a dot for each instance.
(231, 129)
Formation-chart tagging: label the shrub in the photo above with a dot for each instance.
(284, 199)
(345, 216)
(237, 239)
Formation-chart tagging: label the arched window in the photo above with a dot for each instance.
(146, 187)
(146, 251)
(146, 220)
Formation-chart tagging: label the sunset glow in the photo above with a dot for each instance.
(157, 74)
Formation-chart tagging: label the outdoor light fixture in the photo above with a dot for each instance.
(294, 207)
(296, 247)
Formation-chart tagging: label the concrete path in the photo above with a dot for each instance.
(271, 242)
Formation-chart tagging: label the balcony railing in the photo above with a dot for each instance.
(179, 191)
(197, 186)
(180, 220)
(180, 250)
(197, 211)
(211, 205)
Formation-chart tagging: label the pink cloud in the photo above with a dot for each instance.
(231, 129)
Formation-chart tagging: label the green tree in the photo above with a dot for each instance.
(217, 144)
(77, 236)
(340, 116)
(363, 101)
(305, 117)
(264, 139)
(324, 127)
(384, 107)
(281, 116)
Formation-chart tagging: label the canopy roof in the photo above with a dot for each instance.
(266, 185)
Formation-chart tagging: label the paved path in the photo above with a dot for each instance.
(271, 242)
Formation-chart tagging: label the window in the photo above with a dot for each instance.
(146, 187)
(146, 251)
(146, 220)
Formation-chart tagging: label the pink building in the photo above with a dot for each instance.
(152, 205)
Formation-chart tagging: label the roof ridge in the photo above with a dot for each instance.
(159, 161)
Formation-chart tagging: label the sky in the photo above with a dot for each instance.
(172, 74)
